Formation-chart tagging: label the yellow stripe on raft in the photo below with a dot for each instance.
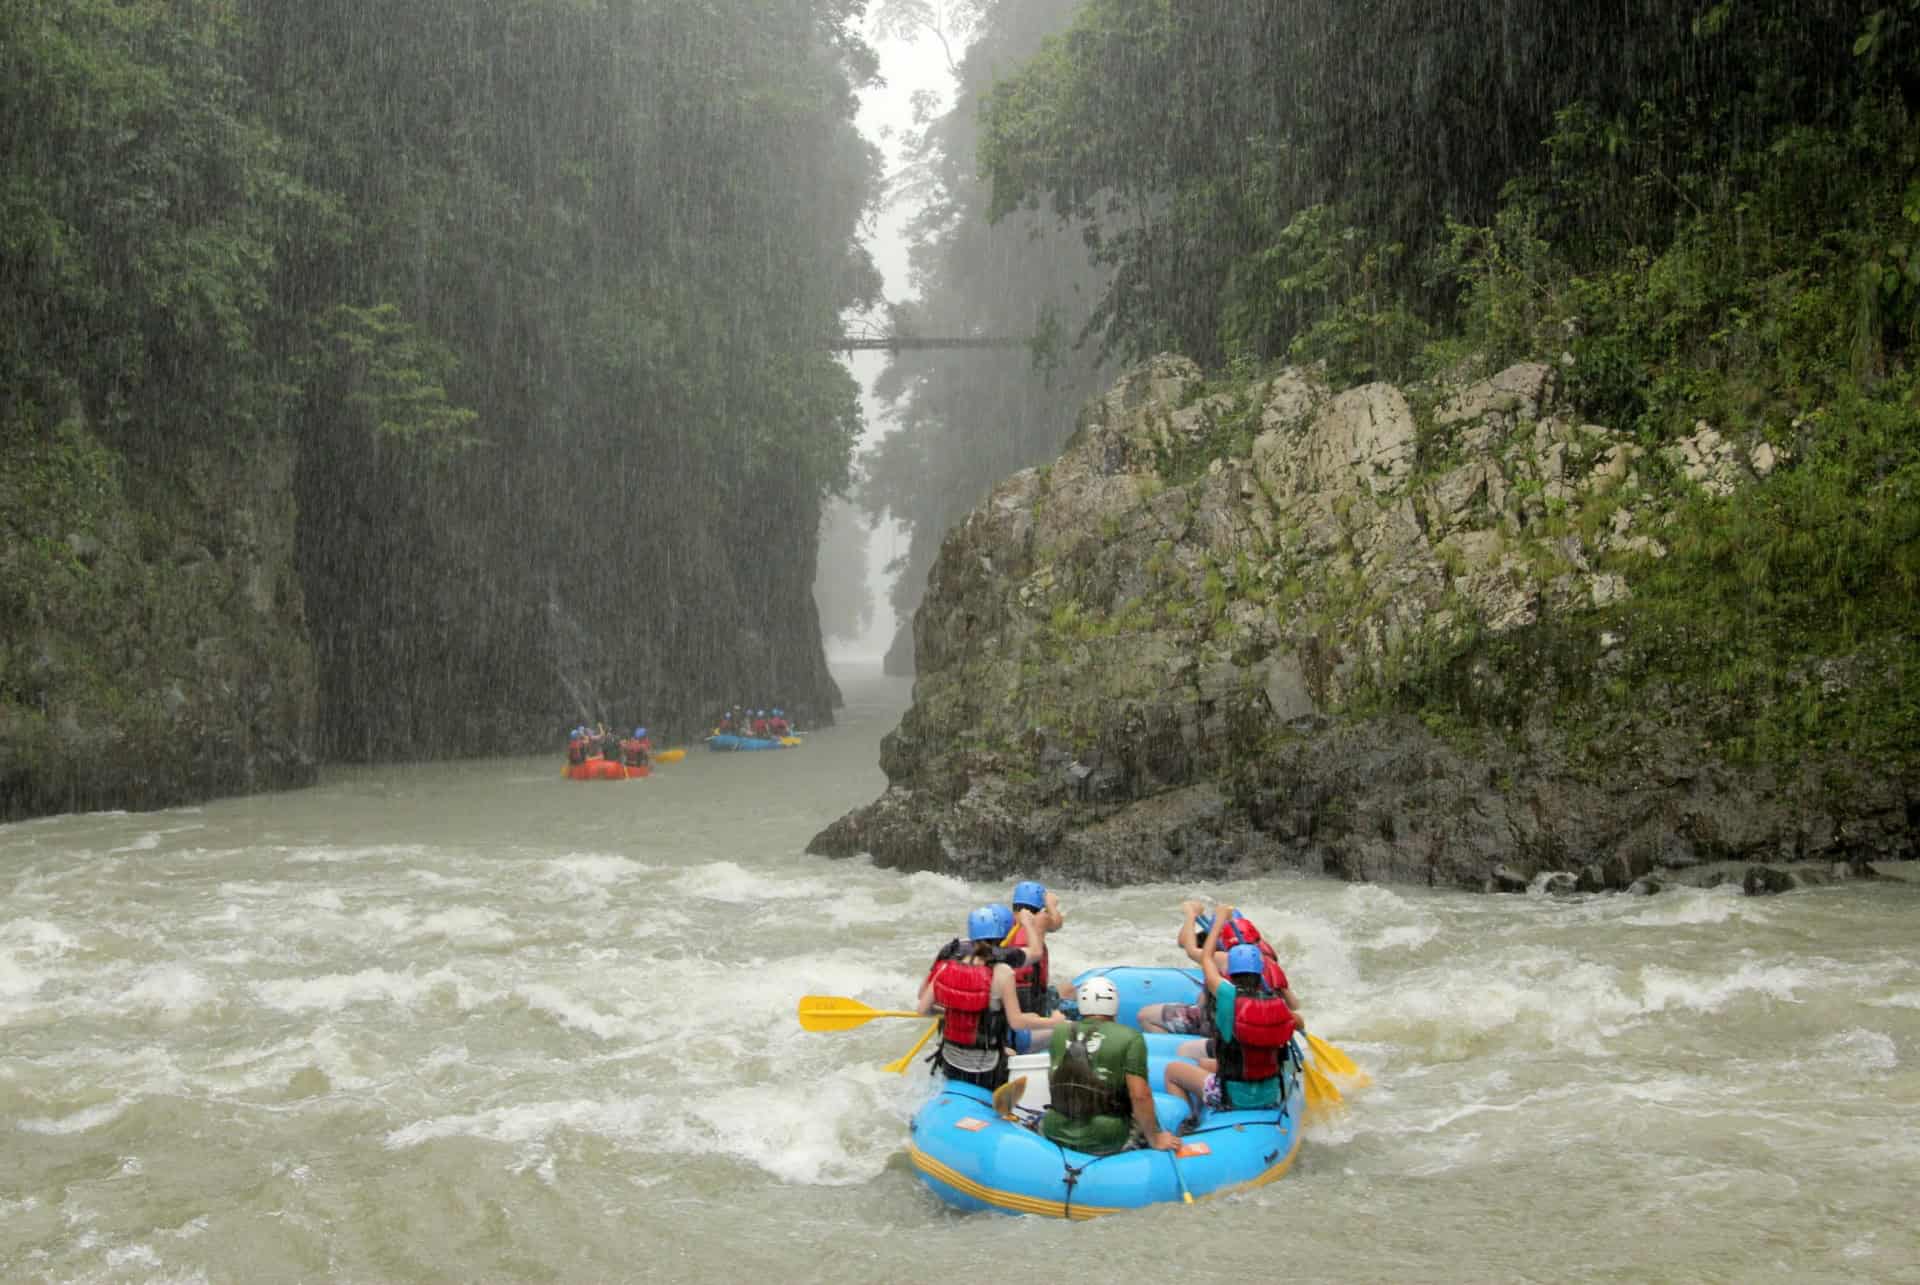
(1055, 1209)
(1001, 1199)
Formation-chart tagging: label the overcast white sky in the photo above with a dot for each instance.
(907, 67)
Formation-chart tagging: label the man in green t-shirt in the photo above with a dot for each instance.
(1097, 1079)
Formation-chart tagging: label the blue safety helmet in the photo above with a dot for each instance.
(639, 733)
(984, 924)
(1032, 894)
(1002, 918)
(1245, 959)
(778, 714)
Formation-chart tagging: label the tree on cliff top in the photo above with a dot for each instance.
(1194, 138)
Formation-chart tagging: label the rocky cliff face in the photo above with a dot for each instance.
(185, 621)
(153, 648)
(1175, 653)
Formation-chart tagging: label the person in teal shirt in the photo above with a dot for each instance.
(1254, 1024)
(1241, 1095)
(1097, 1080)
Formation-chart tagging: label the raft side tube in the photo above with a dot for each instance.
(727, 741)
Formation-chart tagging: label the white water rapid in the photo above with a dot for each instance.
(475, 1023)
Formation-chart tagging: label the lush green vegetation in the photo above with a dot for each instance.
(538, 289)
(1704, 210)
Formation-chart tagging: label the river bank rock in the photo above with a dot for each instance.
(1175, 654)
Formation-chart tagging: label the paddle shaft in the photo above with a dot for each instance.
(899, 1065)
(1174, 1160)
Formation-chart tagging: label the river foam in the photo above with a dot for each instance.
(479, 1025)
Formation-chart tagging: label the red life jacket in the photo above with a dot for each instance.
(577, 750)
(1241, 932)
(635, 752)
(1030, 979)
(1262, 1028)
(965, 990)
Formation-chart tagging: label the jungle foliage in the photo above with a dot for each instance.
(514, 274)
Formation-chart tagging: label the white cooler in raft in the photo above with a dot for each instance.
(974, 1160)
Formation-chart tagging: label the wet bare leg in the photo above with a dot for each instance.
(1190, 1082)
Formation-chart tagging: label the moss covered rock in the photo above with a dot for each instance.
(1382, 634)
(153, 649)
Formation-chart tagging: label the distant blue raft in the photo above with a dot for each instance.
(974, 1160)
(727, 741)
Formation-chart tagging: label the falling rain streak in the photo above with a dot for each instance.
(386, 388)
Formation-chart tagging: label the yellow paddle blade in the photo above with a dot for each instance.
(789, 740)
(838, 1013)
(1338, 1063)
(669, 756)
(900, 1064)
(1321, 1093)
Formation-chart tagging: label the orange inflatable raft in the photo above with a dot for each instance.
(603, 770)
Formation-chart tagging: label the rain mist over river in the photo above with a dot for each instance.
(469, 1022)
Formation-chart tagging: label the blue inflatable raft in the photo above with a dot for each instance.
(728, 741)
(974, 1160)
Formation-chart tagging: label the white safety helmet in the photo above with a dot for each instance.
(1099, 997)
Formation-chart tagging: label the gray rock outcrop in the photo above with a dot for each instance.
(1176, 652)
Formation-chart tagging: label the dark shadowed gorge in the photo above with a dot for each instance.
(408, 384)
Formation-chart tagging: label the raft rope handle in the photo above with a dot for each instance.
(1072, 1180)
(1073, 1173)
